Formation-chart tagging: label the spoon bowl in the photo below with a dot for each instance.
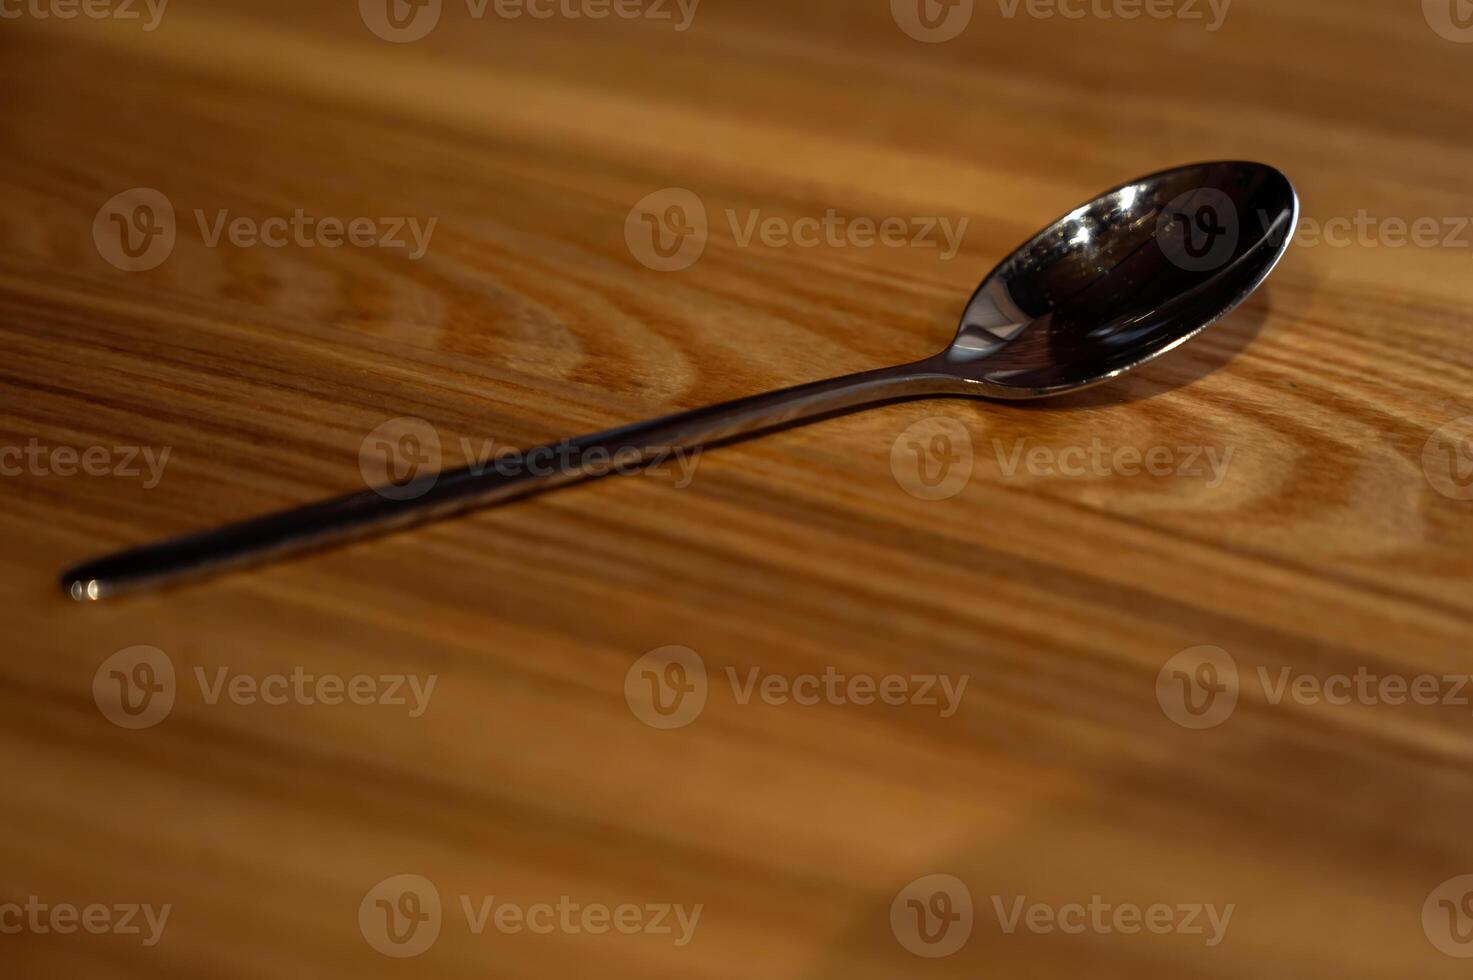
(1124, 279)
(1109, 286)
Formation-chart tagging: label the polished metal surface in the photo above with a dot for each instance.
(1108, 287)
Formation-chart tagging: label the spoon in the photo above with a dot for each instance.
(1106, 288)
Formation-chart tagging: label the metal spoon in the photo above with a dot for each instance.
(1111, 285)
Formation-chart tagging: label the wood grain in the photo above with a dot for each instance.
(1326, 549)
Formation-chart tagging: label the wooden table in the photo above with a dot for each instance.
(1066, 792)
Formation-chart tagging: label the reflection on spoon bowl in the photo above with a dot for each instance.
(1124, 279)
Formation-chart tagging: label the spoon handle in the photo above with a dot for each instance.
(432, 496)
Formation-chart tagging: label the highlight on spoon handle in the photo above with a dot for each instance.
(432, 496)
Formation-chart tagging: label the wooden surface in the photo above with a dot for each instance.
(1326, 549)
